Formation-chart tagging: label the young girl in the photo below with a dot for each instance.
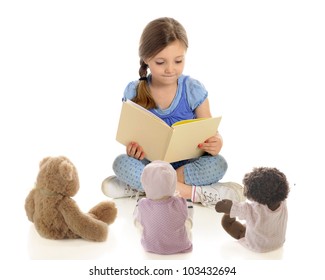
(164, 219)
(170, 95)
(266, 214)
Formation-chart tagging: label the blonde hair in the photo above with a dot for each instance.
(157, 35)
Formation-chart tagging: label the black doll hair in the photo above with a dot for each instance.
(266, 186)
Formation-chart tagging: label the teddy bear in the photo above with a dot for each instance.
(265, 213)
(55, 214)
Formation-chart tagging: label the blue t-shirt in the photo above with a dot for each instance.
(190, 94)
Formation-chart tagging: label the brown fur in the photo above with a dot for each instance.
(55, 214)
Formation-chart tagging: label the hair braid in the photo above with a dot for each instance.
(143, 97)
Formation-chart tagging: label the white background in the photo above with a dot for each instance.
(63, 69)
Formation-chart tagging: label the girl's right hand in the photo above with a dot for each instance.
(135, 150)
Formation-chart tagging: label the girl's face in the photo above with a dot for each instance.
(167, 65)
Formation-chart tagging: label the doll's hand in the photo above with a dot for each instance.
(223, 206)
(135, 150)
(212, 145)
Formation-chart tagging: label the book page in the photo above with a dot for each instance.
(187, 136)
(187, 121)
(141, 126)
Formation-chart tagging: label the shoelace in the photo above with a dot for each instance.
(134, 193)
(207, 199)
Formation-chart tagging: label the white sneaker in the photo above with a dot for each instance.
(114, 188)
(210, 195)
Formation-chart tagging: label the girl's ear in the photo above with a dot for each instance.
(145, 61)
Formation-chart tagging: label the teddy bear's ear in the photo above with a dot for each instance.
(66, 170)
(43, 161)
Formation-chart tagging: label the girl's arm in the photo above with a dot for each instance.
(213, 144)
(203, 111)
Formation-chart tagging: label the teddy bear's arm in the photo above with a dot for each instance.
(82, 224)
(30, 205)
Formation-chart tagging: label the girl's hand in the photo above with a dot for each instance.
(135, 150)
(212, 145)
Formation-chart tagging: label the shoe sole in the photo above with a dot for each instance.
(239, 191)
(104, 183)
(105, 192)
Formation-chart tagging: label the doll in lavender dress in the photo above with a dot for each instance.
(164, 219)
(265, 212)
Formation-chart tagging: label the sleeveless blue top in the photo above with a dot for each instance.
(190, 94)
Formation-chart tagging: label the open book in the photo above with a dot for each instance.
(159, 140)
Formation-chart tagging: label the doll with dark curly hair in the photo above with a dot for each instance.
(265, 213)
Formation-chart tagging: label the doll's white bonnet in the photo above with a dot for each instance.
(159, 179)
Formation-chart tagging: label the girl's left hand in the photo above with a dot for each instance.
(212, 145)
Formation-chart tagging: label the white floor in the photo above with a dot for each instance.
(63, 73)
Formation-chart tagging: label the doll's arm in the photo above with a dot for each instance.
(30, 205)
(190, 208)
(136, 215)
(224, 206)
(190, 212)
